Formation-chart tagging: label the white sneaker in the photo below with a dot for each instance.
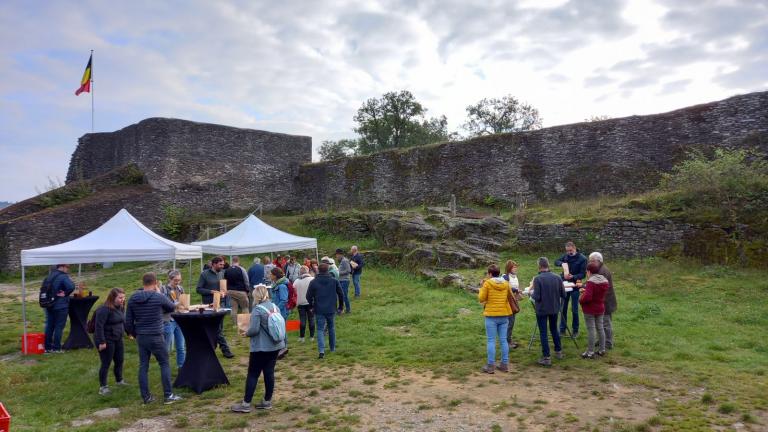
(301, 339)
(104, 391)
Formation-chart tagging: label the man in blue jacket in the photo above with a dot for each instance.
(322, 295)
(144, 321)
(357, 264)
(577, 271)
(547, 294)
(56, 315)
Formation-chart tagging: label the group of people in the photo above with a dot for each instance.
(590, 285)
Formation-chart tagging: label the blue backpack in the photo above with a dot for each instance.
(275, 323)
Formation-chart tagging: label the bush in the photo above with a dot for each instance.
(174, 221)
(56, 193)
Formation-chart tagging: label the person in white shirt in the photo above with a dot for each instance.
(305, 312)
(510, 275)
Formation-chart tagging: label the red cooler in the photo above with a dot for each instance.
(35, 345)
(5, 419)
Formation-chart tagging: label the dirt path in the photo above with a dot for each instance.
(343, 398)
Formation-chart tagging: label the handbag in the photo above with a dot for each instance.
(513, 303)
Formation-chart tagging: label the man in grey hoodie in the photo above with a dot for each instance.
(144, 321)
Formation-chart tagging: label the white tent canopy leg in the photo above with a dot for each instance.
(24, 310)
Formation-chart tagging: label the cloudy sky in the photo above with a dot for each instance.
(304, 67)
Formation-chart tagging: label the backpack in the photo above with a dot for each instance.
(293, 296)
(275, 323)
(91, 324)
(47, 295)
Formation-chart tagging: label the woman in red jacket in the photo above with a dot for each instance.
(592, 300)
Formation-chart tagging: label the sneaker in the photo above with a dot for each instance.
(559, 355)
(283, 352)
(312, 339)
(171, 399)
(264, 405)
(488, 368)
(512, 344)
(301, 339)
(104, 390)
(149, 399)
(122, 383)
(503, 367)
(545, 361)
(588, 355)
(601, 353)
(228, 354)
(575, 334)
(321, 356)
(241, 407)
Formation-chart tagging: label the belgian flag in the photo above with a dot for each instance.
(85, 83)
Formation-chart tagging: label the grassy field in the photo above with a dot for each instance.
(693, 333)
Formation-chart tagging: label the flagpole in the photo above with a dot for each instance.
(92, 128)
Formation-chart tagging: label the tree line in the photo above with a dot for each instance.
(398, 120)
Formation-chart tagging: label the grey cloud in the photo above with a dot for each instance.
(675, 86)
(598, 80)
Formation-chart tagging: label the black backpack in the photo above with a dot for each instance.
(47, 294)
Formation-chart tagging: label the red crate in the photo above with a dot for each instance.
(292, 325)
(35, 344)
(5, 419)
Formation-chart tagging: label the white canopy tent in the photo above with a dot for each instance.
(254, 236)
(121, 239)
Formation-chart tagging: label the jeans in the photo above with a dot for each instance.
(150, 345)
(345, 290)
(574, 297)
(258, 362)
(595, 331)
(306, 317)
(356, 282)
(221, 341)
(511, 326)
(324, 320)
(239, 301)
(174, 336)
(608, 327)
(55, 320)
(115, 351)
(496, 327)
(541, 321)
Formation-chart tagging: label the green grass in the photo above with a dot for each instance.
(679, 325)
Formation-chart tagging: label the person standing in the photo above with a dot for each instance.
(237, 288)
(305, 312)
(332, 269)
(292, 269)
(344, 272)
(593, 304)
(268, 266)
(547, 295)
(494, 295)
(577, 270)
(109, 322)
(256, 272)
(279, 290)
(144, 321)
(206, 285)
(56, 314)
(610, 299)
(357, 264)
(321, 296)
(263, 356)
(510, 275)
(171, 331)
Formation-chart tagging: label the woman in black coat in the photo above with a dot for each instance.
(109, 321)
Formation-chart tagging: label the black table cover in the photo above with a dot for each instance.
(78, 318)
(201, 370)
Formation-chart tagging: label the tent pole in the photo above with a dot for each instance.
(174, 264)
(24, 310)
(317, 255)
(79, 270)
(190, 270)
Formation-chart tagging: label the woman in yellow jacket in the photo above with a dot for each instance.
(494, 298)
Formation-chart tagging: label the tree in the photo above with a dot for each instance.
(597, 118)
(396, 120)
(342, 148)
(507, 114)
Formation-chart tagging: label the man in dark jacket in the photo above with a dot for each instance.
(322, 296)
(547, 294)
(610, 299)
(577, 271)
(237, 288)
(144, 321)
(357, 264)
(206, 285)
(56, 315)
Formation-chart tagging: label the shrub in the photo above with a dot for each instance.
(56, 193)
(174, 221)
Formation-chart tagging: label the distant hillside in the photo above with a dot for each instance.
(4, 204)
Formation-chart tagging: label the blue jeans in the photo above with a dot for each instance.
(496, 328)
(174, 336)
(345, 290)
(574, 297)
(542, 321)
(322, 321)
(55, 320)
(356, 282)
(153, 345)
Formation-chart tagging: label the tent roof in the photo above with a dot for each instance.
(252, 236)
(120, 239)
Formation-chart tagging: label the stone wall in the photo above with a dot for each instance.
(199, 166)
(614, 156)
